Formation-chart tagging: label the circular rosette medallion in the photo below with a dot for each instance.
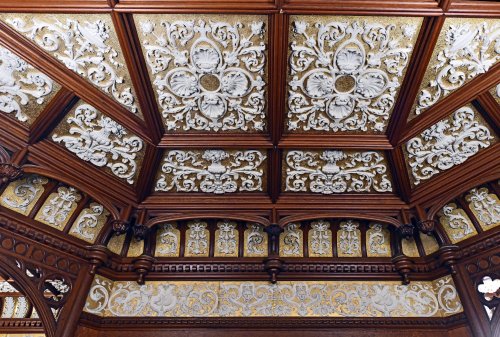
(212, 105)
(341, 106)
(205, 57)
(372, 83)
(235, 84)
(183, 83)
(319, 84)
(350, 57)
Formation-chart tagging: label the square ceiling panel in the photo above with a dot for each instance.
(213, 171)
(209, 72)
(86, 44)
(344, 73)
(100, 140)
(24, 90)
(335, 171)
(466, 48)
(448, 143)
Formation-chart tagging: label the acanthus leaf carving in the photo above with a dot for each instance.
(59, 206)
(485, 205)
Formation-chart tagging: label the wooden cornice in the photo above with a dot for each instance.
(335, 141)
(190, 6)
(232, 141)
(397, 164)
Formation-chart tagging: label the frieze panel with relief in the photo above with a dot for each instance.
(209, 71)
(336, 171)
(344, 73)
(100, 140)
(87, 45)
(213, 171)
(436, 298)
(466, 48)
(21, 195)
(485, 206)
(24, 90)
(448, 143)
(456, 223)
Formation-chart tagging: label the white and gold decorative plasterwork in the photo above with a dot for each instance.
(255, 241)
(209, 71)
(89, 222)
(495, 92)
(100, 140)
(378, 240)
(21, 195)
(409, 247)
(336, 171)
(14, 307)
(349, 239)
(448, 143)
(438, 298)
(135, 247)
(226, 239)
(429, 243)
(212, 171)
(6, 287)
(456, 223)
(320, 239)
(485, 206)
(58, 207)
(86, 44)
(291, 241)
(197, 239)
(115, 243)
(465, 49)
(168, 239)
(24, 90)
(344, 73)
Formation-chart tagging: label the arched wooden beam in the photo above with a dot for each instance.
(205, 215)
(372, 217)
(431, 214)
(31, 292)
(62, 178)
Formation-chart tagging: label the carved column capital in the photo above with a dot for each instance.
(9, 172)
(426, 226)
(406, 230)
(120, 226)
(140, 231)
(274, 232)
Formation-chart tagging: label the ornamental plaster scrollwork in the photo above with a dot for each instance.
(291, 243)
(320, 239)
(21, 195)
(256, 242)
(336, 171)
(167, 240)
(226, 239)
(212, 171)
(89, 47)
(89, 223)
(58, 207)
(378, 240)
(456, 223)
(98, 139)
(465, 49)
(436, 298)
(24, 90)
(197, 239)
(448, 143)
(344, 74)
(485, 206)
(349, 239)
(209, 71)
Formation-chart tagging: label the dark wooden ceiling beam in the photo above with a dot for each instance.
(420, 58)
(336, 141)
(55, 6)
(397, 164)
(147, 175)
(189, 6)
(43, 61)
(208, 140)
(12, 132)
(474, 8)
(489, 109)
(132, 52)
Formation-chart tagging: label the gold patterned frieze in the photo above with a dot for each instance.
(378, 240)
(103, 142)
(255, 241)
(24, 90)
(168, 239)
(485, 206)
(86, 44)
(21, 195)
(209, 71)
(466, 48)
(115, 244)
(456, 223)
(226, 239)
(409, 247)
(89, 222)
(58, 207)
(345, 72)
(437, 298)
(291, 241)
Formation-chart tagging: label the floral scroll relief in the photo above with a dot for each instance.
(25, 192)
(456, 222)
(291, 240)
(19, 84)
(167, 241)
(470, 48)
(59, 206)
(87, 48)
(210, 74)
(89, 222)
(349, 239)
(448, 143)
(255, 240)
(197, 239)
(320, 239)
(226, 239)
(335, 171)
(378, 244)
(484, 205)
(344, 76)
(217, 171)
(101, 141)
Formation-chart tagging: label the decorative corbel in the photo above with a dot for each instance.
(120, 226)
(9, 172)
(142, 265)
(98, 255)
(448, 257)
(404, 265)
(139, 231)
(273, 265)
(426, 226)
(406, 230)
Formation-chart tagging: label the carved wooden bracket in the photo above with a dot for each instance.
(426, 226)
(9, 172)
(142, 266)
(406, 230)
(120, 226)
(273, 266)
(404, 266)
(140, 231)
(98, 255)
(448, 256)
(274, 232)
